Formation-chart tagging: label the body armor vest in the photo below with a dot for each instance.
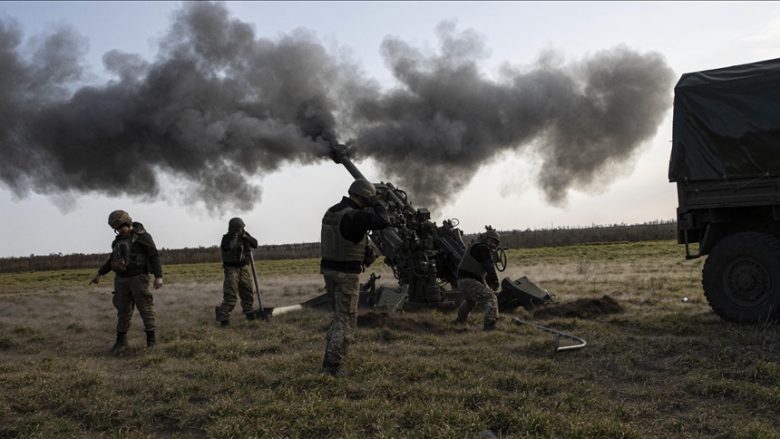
(471, 265)
(235, 254)
(123, 257)
(334, 247)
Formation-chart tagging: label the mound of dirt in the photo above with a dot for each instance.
(399, 322)
(582, 308)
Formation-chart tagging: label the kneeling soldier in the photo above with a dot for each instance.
(475, 270)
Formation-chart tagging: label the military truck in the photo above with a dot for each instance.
(725, 161)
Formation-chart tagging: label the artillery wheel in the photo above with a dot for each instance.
(741, 277)
(500, 259)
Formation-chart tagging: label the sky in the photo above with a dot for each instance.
(289, 198)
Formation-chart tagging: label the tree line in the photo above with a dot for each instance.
(529, 238)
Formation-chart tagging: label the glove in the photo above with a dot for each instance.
(371, 254)
(371, 201)
(95, 279)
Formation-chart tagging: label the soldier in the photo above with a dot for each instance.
(235, 246)
(475, 270)
(344, 248)
(133, 256)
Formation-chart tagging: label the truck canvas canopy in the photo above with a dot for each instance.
(726, 123)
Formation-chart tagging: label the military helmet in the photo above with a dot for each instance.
(490, 233)
(236, 224)
(118, 218)
(362, 188)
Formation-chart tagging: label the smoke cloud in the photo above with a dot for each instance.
(447, 118)
(219, 105)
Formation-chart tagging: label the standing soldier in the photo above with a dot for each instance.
(236, 247)
(344, 246)
(133, 256)
(475, 270)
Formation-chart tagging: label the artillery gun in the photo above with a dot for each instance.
(424, 257)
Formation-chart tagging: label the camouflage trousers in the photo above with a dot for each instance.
(477, 293)
(343, 290)
(129, 292)
(238, 283)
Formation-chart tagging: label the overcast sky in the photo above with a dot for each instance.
(688, 36)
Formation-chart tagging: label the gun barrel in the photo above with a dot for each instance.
(339, 155)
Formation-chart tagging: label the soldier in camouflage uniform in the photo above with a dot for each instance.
(344, 246)
(475, 270)
(133, 256)
(235, 246)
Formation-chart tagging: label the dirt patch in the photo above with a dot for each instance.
(582, 308)
(399, 322)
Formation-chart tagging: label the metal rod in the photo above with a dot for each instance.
(260, 309)
(581, 343)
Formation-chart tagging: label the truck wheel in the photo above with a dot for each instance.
(741, 277)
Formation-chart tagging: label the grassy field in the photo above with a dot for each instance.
(655, 365)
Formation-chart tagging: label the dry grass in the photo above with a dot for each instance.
(661, 368)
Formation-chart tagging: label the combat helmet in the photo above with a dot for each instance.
(490, 233)
(118, 218)
(362, 189)
(236, 224)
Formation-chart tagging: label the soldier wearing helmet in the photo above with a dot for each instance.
(344, 245)
(133, 256)
(236, 245)
(475, 272)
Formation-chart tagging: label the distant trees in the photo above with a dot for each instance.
(559, 236)
(552, 237)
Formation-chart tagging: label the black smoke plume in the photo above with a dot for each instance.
(219, 105)
(447, 119)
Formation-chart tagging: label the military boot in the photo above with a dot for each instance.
(490, 326)
(224, 323)
(121, 342)
(250, 315)
(332, 369)
(150, 339)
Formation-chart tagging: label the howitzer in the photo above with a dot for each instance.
(424, 257)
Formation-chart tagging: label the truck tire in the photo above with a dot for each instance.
(741, 277)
